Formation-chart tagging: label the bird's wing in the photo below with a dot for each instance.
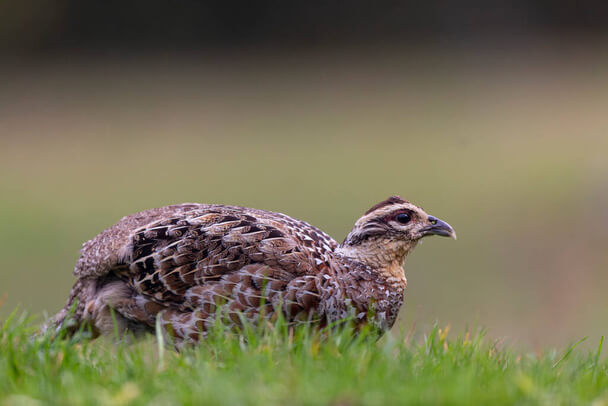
(165, 252)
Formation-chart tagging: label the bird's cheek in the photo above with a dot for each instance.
(419, 233)
(409, 235)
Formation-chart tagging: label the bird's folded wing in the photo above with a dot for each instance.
(162, 253)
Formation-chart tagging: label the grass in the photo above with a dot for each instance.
(292, 367)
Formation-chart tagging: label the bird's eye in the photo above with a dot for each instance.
(403, 218)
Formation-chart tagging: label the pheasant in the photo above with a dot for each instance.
(188, 264)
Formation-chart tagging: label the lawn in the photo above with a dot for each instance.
(280, 366)
(510, 149)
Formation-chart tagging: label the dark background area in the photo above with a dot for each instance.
(68, 25)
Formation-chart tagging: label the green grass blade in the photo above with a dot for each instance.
(569, 351)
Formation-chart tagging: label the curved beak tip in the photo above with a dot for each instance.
(440, 227)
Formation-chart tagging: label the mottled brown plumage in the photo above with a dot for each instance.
(191, 263)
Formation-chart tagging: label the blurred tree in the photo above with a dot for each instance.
(35, 25)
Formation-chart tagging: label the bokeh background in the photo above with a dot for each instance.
(491, 115)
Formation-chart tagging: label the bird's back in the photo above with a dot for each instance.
(145, 234)
(183, 260)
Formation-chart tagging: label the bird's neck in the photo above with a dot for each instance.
(386, 256)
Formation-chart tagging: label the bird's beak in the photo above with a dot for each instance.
(438, 227)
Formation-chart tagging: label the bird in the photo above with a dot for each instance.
(185, 267)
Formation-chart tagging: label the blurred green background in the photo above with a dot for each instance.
(510, 151)
(506, 142)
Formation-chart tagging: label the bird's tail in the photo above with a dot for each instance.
(71, 316)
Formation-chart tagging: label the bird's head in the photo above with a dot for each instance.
(387, 232)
